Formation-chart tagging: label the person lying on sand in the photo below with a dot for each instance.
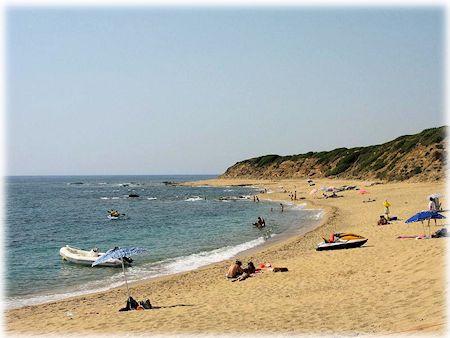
(235, 270)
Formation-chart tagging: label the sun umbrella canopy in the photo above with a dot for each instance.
(118, 253)
(313, 191)
(363, 191)
(424, 215)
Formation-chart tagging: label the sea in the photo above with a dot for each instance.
(182, 228)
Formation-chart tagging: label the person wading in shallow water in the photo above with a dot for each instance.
(282, 207)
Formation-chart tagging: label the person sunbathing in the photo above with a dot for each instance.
(250, 268)
(235, 270)
(382, 220)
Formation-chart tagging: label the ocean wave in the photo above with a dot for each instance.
(294, 206)
(318, 215)
(104, 198)
(193, 199)
(151, 198)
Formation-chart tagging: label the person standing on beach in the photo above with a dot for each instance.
(257, 199)
(386, 204)
(295, 195)
(432, 207)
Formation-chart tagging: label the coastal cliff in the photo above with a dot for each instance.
(418, 157)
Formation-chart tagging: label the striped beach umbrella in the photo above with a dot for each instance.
(120, 253)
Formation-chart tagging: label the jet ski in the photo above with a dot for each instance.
(341, 240)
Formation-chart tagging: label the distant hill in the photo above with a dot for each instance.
(418, 157)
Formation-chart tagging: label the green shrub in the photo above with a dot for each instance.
(417, 170)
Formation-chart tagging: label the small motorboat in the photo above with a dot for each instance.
(115, 217)
(133, 195)
(341, 240)
(84, 257)
(114, 214)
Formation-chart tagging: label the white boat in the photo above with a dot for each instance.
(84, 257)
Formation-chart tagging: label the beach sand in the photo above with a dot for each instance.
(388, 286)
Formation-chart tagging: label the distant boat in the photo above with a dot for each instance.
(133, 195)
(170, 183)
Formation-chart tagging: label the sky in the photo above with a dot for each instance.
(150, 90)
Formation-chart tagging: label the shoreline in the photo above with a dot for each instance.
(188, 299)
(74, 293)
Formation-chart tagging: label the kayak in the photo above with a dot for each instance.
(84, 257)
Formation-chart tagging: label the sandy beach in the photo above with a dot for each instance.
(388, 286)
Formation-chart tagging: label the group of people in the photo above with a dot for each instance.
(434, 204)
(236, 270)
(293, 196)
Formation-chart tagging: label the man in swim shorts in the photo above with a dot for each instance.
(235, 270)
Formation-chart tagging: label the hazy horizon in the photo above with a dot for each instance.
(191, 91)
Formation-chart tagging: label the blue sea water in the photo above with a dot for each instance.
(183, 228)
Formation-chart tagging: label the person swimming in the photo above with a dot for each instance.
(260, 223)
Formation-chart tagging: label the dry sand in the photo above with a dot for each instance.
(388, 286)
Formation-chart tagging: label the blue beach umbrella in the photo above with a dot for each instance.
(423, 216)
(120, 253)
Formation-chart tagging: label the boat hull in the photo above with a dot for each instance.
(86, 258)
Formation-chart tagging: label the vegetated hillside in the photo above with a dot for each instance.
(418, 157)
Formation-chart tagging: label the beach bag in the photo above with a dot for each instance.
(440, 233)
(280, 269)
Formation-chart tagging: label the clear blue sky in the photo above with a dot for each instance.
(145, 90)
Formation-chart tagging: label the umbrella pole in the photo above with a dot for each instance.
(126, 282)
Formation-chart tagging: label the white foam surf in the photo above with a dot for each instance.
(193, 199)
(137, 273)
